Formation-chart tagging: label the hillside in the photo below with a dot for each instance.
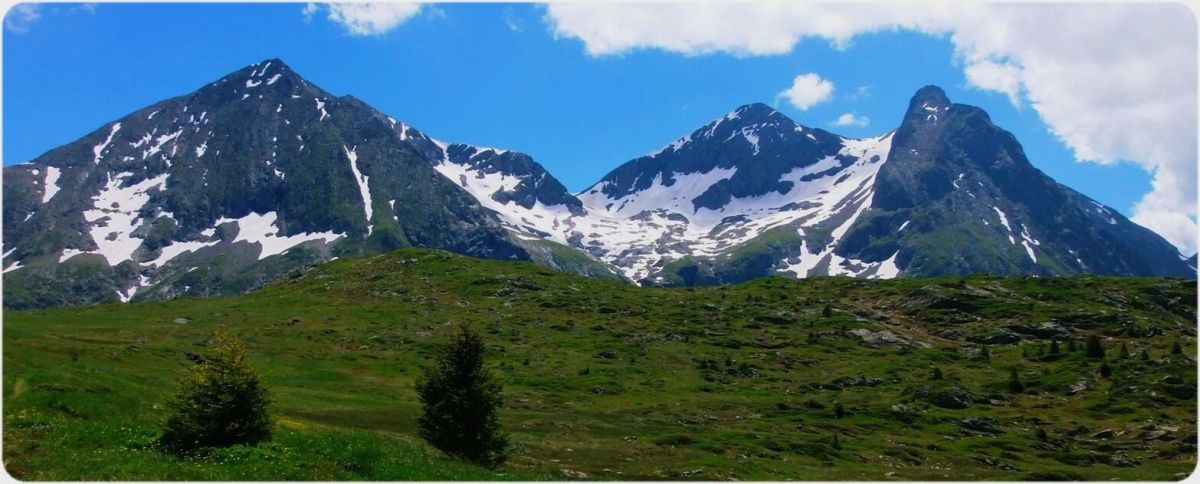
(612, 381)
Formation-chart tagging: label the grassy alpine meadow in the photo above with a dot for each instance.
(825, 378)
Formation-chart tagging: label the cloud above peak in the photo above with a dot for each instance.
(365, 19)
(851, 119)
(1107, 86)
(807, 90)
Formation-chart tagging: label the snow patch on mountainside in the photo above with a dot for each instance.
(114, 215)
(261, 229)
(321, 109)
(530, 223)
(1004, 222)
(888, 269)
(363, 187)
(51, 187)
(98, 150)
(677, 197)
(177, 249)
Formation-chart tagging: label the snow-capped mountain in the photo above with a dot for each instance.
(970, 202)
(711, 192)
(224, 189)
(754, 193)
(261, 173)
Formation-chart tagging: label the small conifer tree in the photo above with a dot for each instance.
(1094, 348)
(937, 373)
(1105, 370)
(1014, 383)
(1054, 347)
(1071, 346)
(459, 403)
(1124, 351)
(220, 402)
(1176, 349)
(839, 410)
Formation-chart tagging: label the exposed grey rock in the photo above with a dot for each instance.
(885, 337)
(954, 397)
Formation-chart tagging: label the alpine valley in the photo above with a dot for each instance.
(261, 173)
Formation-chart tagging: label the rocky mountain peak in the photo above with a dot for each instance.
(928, 105)
(270, 80)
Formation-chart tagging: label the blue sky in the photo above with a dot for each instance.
(487, 74)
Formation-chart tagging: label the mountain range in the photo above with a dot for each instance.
(261, 173)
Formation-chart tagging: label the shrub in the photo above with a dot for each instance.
(1054, 347)
(459, 403)
(839, 410)
(220, 402)
(1176, 349)
(937, 373)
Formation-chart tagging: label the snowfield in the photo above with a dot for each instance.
(640, 231)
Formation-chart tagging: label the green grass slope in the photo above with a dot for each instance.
(610, 381)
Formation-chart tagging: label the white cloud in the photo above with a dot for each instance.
(366, 19)
(990, 75)
(21, 17)
(859, 93)
(850, 119)
(512, 22)
(308, 11)
(1112, 81)
(807, 91)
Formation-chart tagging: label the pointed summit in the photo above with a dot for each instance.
(271, 80)
(929, 96)
(756, 113)
(753, 110)
(928, 104)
